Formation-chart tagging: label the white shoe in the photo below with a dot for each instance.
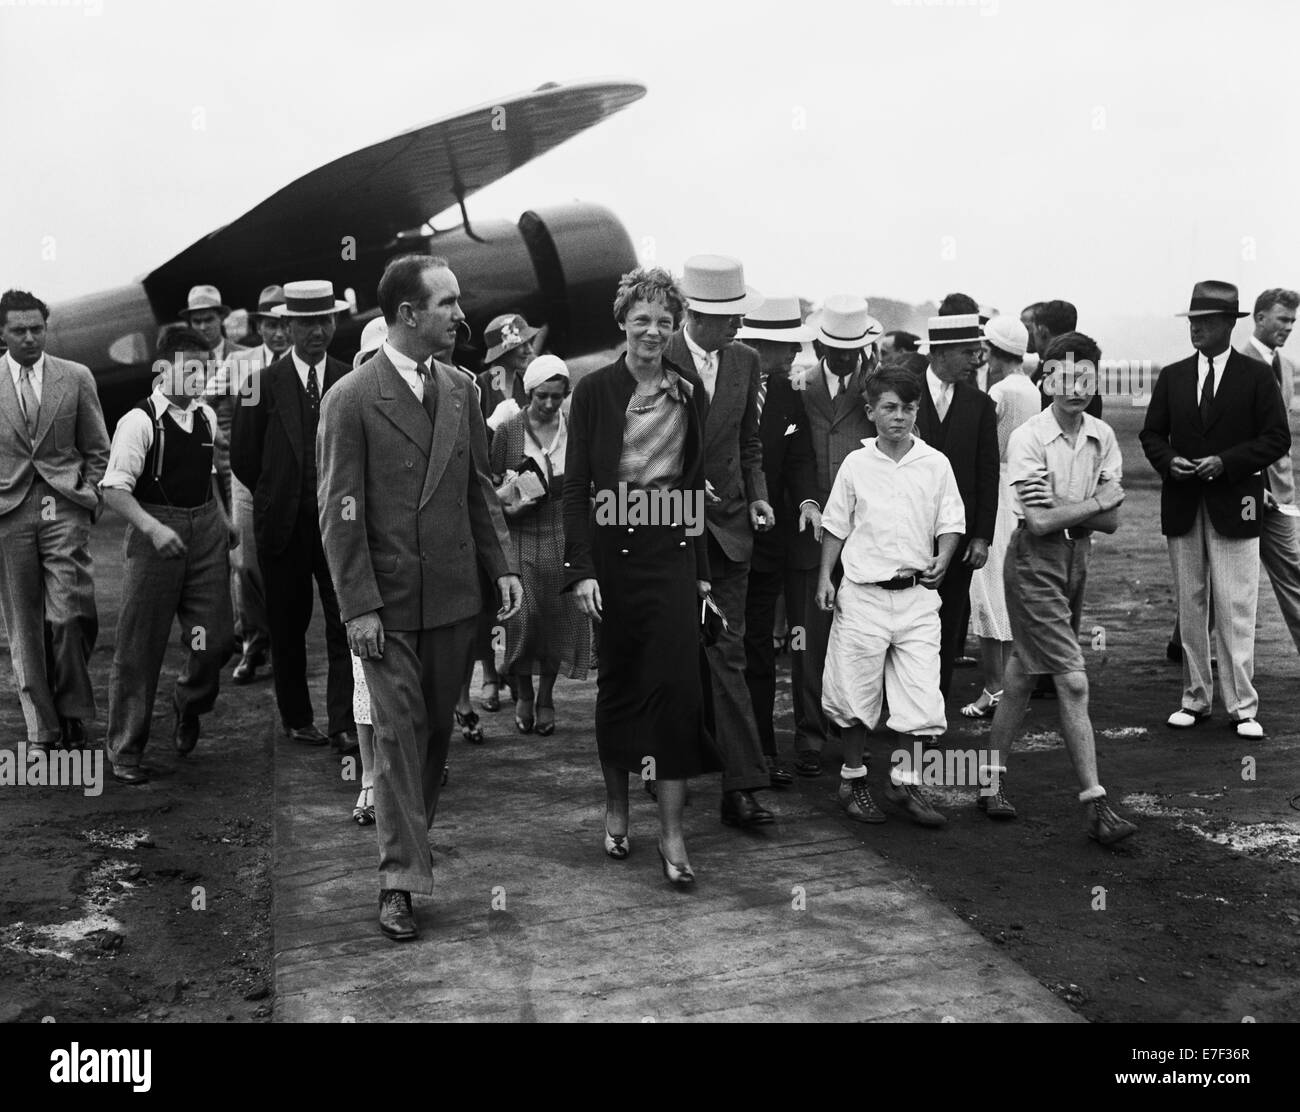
(1248, 727)
(1185, 719)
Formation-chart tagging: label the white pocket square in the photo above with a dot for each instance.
(791, 430)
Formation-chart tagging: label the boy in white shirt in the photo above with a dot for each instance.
(895, 500)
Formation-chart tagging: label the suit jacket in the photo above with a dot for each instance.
(1281, 472)
(789, 468)
(968, 436)
(70, 449)
(597, 419)
(408, 513)
(1247, 429)
(836, 427)
(267, 448)
(733, 453)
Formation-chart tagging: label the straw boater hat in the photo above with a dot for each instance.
(845, 322)
(267, 300)
(963, 328)
(312, 298)
(204, 297)
(505, 333)
(1213, 297)
(778, 319)
(715, 284)
(1008, 334)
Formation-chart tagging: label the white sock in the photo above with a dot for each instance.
(1089, 794)
(847, 773)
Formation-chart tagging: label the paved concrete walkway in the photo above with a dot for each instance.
(531, 921)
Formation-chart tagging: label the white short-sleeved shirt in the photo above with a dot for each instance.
(888, 513)
(133, 438)
(1040, 446)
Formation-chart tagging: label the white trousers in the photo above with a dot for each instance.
(884, 643)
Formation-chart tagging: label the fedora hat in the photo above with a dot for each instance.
(845, 322)
(1213, 297)
(267, 300)
(963, 328)
(312, 298)
(505, 333)
(204, 297)
(715, 284)
(1007, 334)
(778, 319)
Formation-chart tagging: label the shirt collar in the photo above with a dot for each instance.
(402, 363)
(160, 403)
(937, 385)
(16, 368)
(1049, 428)
(1263, 348)
(918, 450)
(697, 353)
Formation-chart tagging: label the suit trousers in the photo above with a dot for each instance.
(1279, 548)
(760, 653)
(287, 577)
(248, 593)
(1211, 570)
(954, 606)
(735, 732)
(810, 632)
(156, 591)
(46, 577)
(413, 692)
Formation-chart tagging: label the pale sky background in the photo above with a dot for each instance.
(1108, 153)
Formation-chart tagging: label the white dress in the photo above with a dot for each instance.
(1017, 399)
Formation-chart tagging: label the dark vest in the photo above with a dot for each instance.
(178, 466)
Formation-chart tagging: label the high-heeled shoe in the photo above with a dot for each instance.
(363, 814)
(490, 703)
(545, 722)
(974, 710)
(470, 730)
(617, 846)
(679, 876)
(525, 725)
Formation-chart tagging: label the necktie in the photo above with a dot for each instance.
(1207, 394)
(945, 397)
(1277, 367)
(709, 374)
(313, 389)
(762, 395)
(31, 407)
(430, 396)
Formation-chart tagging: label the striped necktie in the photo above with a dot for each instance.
(762, 396)
(27, 394)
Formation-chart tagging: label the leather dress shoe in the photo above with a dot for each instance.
(396, 919)
(187, 734)
(306, 735)
(246, 670)
(74, 733)
(742, 809)
(130, 774)
(778, 773)
(344, 742)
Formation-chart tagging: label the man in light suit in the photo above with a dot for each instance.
(1214, 423)
(53, 453)
(408, 515)
(835, 402)
(248, 593)
(736, 506)
(273, 453)
(1279, 544)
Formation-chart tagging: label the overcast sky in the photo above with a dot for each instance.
(1110, 153)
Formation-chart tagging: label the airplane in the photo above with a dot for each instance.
(559, 265)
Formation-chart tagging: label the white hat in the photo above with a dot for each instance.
(715, 284)
(961, 328)
(205, 297)
(844, 322)
(543, 369)
(372, 337)
(309, 299)
(778, 319)
(1008, 334)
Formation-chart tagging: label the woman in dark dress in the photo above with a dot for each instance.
(636, 428)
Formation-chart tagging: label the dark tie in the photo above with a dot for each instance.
(313, 389)
(1277, 367)
(762, 395)
(1207, 393)
(430, 400)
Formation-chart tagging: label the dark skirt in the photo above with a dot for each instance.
(649, 702)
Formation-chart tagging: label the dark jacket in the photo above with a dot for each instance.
(790, 470)
(968, 436)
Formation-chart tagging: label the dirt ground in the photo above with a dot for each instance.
(1198, 920)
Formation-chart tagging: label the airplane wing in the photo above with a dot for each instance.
(390, 187)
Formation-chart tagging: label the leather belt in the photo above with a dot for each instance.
(899, 583)
(1073, 534)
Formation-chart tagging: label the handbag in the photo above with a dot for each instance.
(531, 486)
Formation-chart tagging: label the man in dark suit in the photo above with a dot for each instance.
(1214, 423)
(53, 453)
(775, 332)
(736, 506)
(1052, 319)
(273, 453)
(409, 516)
(963, 424)
(834, 401)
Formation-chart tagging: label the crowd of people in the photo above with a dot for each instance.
(651, 520)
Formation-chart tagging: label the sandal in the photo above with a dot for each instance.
(490, 703)
(363, 814)
(617, 846)
(525, 725)
(546, 720)
(974, 710)
(470, 730)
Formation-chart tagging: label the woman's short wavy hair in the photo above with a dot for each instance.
(652, 283)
